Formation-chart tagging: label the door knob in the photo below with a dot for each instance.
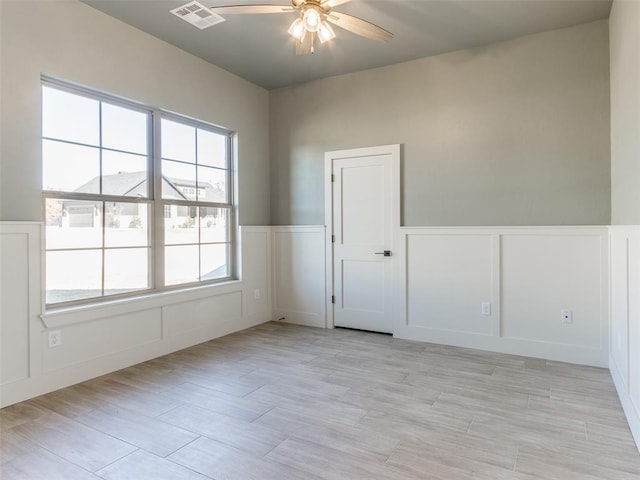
(386, 253)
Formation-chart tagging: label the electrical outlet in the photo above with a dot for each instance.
(55, 338)
(256, 293)
(566, 316)
(485, 308)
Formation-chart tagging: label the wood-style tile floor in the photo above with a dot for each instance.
(281, 402)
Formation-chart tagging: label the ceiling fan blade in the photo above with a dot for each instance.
(359, 26)
(233, 9)
(305, 46)
(333, 3)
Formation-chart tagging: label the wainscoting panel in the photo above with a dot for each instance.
(204, 314)
(528, 275)
(624, 361)
(256, 274)
(448, 279)
(19, 298)
(83, 342)
(299, 275)
(634, 328)
(619, 351)
(542, 275)
(98, 339)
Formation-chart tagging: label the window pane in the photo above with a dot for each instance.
(213, 261)
(126, 225)
(178, 180)
(73, 224)
(180, 264)
(178, 141)
(124, 174)
(182, 225)
(212, 185)
(126, 270)
(70, 168)
(124, 129)
(213, 225)
(212, 149)
(70, 117)
(73, 275)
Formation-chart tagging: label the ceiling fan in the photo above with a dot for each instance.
(313, 21)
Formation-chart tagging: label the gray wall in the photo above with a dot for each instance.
(624, 40)
(515, 133)
(75, 42)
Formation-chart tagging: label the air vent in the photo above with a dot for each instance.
(198, 15)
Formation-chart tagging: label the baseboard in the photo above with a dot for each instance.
(300, 318)
(595, 357)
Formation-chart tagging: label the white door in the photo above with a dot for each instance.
(363, 217)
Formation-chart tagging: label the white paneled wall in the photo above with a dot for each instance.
(448, 277)
(100, 339)
(544, 274)
(20, 304)
(299, 275)
(625, 321)
(528, 275)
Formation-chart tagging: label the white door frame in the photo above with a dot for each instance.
(329, 157)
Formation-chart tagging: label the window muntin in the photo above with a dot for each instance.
(90, 246)
(195, 163)
(207, 234)
(100, 210)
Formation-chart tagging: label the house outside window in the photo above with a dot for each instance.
(125, 214)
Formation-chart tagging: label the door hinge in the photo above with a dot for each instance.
(333, 299)
(333, 239)
(333, 177)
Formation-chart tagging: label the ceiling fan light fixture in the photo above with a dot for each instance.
(297, 29)
(325, 32)
(312, 19)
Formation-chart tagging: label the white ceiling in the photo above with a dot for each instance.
(258, 48)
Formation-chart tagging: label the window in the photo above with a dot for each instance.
(195, 180)
(135, 199)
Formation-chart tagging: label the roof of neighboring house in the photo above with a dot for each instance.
(134, 184)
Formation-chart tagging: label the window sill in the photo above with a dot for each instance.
(60, 317)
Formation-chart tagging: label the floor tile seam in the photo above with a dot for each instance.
(186, 429)
(135, 448)
(115, 437)
(182, 465)
(60, 457)
(357, 445)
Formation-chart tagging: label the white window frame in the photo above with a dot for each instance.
(156, 204)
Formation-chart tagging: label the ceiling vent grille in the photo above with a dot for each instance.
(197, 15)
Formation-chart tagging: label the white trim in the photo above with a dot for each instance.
(95, 311)
(328, 255)
(394, 151)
